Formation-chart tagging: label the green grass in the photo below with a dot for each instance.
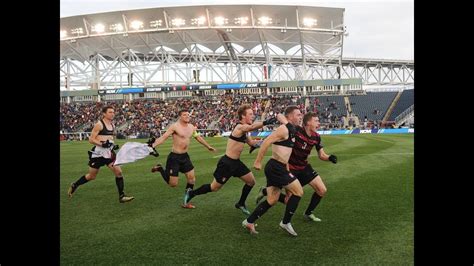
(367, 213)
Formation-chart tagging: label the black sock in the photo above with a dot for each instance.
(245, 192)
(264, 191)
(82, 180)
(165, 175)
(119, 182)
(315, 199)
(281, 198)
(206, 188)
(188, 185)
(261, 209)
(291, 208)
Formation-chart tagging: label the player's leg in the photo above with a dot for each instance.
(296, 190)
(262, 208)
(172, 168)
(319, 191)
(220, 178)
(119, 181)
(91, 175)
(204, 189)
(190, 181)
(249, 181)
(262, 192)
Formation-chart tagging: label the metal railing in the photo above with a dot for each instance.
(404, 113)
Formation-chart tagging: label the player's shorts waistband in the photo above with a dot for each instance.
(227, 157)
(179, 154)
(277, 162)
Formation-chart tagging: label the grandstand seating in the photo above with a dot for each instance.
(145, 117)
(406, 100)
(374, 105)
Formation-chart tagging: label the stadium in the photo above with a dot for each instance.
(151, 63)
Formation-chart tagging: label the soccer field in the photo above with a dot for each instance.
(367, 214)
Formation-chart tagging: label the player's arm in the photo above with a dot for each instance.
(325, 157)
(256, 125)
(201, 140)
(165, 136)
(252, 142)
(95, 132)
(282, 119)
(279, 134)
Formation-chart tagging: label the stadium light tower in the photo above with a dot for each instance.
(241, 21)
(310, 22)
(99, 28)
(198, 21)
(116, 27)
(220, 21)
(178, 22)
(136, 24)
(77, 31)
(156, 23)
(264, 20)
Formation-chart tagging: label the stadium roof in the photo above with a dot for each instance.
(212, 27)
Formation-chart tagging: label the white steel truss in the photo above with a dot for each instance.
(285, 49)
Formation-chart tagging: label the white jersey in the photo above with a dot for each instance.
(132, 151)
(100, 151)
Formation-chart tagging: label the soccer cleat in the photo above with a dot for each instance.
(156, 168)
(186, 196)
(124, 199)
(249, 226)
(260, 195)
(188, 206)
(71, 190)
(311, 217)
(288, 228)
(242, 208)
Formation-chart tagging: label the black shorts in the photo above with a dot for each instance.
(277, 175)
(178, 163)
(228, 167)
(98, 162)
(306, 175)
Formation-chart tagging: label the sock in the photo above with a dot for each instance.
(291, 208)
(188, 185)
(245, 192)
(315, 199)
(206, 188)
(82, 180)
(119, 182)
(261, 209)
(282, 198)
(165, 175)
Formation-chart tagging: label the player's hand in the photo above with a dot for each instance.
(107, 144)
(257, 165)
(151, 141)
(333, 158)
(212, 149)
(116, 147)
(154, 152)
(270, 121)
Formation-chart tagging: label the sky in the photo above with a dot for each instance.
(377, 28)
